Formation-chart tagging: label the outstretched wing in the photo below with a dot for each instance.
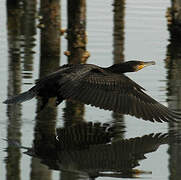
(115, 92)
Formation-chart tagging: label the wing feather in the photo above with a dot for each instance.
(115, 92)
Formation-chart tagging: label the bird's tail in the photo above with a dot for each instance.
(20, 97)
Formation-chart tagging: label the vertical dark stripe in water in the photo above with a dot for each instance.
(173, 65)
(28, 32)
(174, 19)
(118, 30)
(14, 87)
(118, 51)
(76, 31)
(50, 28)
(49, 61)
(73, 112)
(77, 40)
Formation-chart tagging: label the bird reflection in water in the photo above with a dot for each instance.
(90, 150)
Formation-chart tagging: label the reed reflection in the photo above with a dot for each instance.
(19, 41)
(76, 32)
(50, 25)
(118, 44)
(173, 65)
(28, 40)
(88, 150)
(118, 30)
(174, 101)
(76, 53)
(49, 62)
(174, 19)
(14, 87)
(26, 34)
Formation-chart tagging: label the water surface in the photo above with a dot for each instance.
(145, 36)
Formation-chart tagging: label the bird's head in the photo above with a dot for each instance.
(133, 66)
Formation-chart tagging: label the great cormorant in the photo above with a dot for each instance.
(106, 88)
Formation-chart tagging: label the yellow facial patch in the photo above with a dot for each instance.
(140, 67)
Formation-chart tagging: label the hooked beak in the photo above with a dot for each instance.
(145, 64)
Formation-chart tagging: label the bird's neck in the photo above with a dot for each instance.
(120, 68)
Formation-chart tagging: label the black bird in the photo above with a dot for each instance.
(106, 88)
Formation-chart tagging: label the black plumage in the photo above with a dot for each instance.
(106, 88)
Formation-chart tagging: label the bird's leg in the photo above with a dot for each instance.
(59, 100)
